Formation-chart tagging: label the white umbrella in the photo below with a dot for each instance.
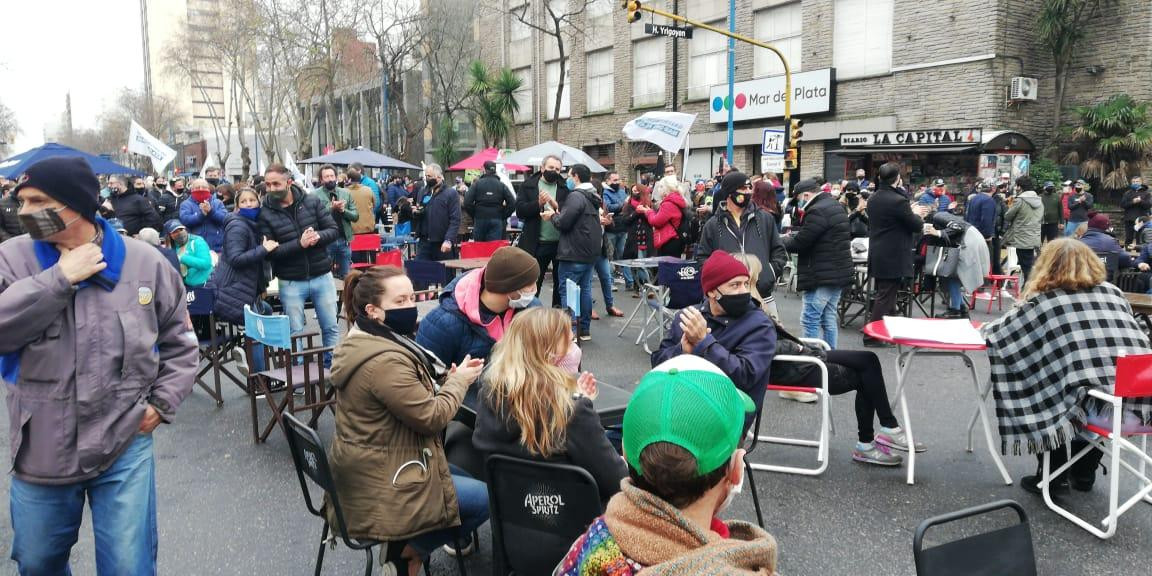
(534, 156)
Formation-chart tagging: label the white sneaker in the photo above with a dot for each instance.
(803, 397)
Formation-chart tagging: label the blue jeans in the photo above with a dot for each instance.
(487, 229)
(955, 296)
(322, 292)
(46, 519)
(341, 256)
(472, 499)
(618, 241)
(604, 273)
(820, 313)
(1071, 226)
(581, 274)
(642, 276)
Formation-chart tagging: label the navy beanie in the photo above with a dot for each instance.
(68, 180)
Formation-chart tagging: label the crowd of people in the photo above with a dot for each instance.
(79, 256)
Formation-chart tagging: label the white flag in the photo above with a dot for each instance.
(209, 162)
(290, 164)
(667, 130)
(141, 142)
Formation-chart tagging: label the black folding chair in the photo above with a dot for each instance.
(537, 510)
(1004, 551)
(216, 341)
(426, 273)
(311, 461)
(677, 287)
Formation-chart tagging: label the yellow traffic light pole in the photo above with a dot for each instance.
(633, 8)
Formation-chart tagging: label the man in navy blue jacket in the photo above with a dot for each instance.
(981, 211)
(437, 217)
(729, 330)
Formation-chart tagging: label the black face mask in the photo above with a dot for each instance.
(740, 199)
(161, 186)
(735, 305)
(615, 186)
(139, 189)
(329, 186)
(431, 182)
(551, 177)
(213, 181)
(178, 191)
(401, 320)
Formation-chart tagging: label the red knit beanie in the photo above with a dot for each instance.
(718, 269)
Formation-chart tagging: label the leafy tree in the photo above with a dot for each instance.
(494, 102)
(9, 128)
(1061, 26)
(1045, 170)
(446, 137)
(1112, 141)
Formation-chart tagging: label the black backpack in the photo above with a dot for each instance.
(688, 232)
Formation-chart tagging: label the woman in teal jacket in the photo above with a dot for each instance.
(195, 257)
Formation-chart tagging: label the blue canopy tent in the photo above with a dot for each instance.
(364, 156)
(14, 166)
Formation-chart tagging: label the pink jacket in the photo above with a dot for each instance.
(665, 222)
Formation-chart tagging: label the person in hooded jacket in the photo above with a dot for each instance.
(1050, 228)
(685, 466)
(240, 277)
(477, 307)
(824, 258)
(1022, 224)
(393, 401)
(741, 227)
(204, 214)
(490, 203)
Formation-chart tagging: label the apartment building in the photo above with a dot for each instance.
(929, 83)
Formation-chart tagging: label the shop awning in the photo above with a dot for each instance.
(909, 150)
(1006, 140)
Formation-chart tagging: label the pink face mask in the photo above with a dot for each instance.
(570, 361)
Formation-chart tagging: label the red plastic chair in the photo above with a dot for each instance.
(481, 249)
(1133, 380)
(364, 243)
(390, 258)
(997, 283)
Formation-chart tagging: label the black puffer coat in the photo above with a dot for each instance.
(291, 261)
(489, 198)
(239, 275)
(135, 212)
(822, 246)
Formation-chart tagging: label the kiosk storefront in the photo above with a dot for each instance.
(961, 156)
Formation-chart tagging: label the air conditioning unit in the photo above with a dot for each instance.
(1023, 88)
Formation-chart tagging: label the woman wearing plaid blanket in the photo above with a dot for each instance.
(1060, 340)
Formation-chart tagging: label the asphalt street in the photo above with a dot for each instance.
(228, 506)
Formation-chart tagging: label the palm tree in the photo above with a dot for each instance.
(494, 102)
(446, 137)
(1113, 140)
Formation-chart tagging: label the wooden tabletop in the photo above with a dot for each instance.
(465, 263)
(1141, 303)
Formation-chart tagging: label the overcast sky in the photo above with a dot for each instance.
(50, 47)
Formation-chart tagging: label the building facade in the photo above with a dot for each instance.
(926, 83)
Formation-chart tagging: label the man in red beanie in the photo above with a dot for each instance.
(729, 329)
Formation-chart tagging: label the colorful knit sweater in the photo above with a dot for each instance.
(641, 534)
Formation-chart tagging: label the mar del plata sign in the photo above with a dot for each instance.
(918, 138)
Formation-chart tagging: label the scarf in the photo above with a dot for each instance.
(431, 362)
(111, 244)
(1047, 352)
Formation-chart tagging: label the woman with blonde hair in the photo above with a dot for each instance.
(533, 406)
(1061, 340)
(754, 268)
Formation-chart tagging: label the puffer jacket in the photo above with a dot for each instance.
(135, 212)
(489, 199)
(239, 275)
(208, 226)
(666, 219)
(290, 260)
(581, 235)
(1023, 220)
(437, 217)
(388, 415)
(823, 245)
(454, 329)
(756, 235)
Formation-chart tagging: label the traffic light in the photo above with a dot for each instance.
(791, 159)
(794, 133)
(633, 8)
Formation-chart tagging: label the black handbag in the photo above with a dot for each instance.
(942, 261)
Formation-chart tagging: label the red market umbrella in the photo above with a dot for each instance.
(477, 160)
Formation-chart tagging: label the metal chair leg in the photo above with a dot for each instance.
(755, 494)
(320, 554)
(460, 555)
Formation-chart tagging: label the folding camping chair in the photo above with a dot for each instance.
(216, 345)
(291, 363)
(481, 249)
(426, 274)
(1133, 380)
(367, 246)
(677, 287)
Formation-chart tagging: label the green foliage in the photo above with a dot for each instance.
(494, 101)
(1045, 170)
(447, 138)
(1113, 140)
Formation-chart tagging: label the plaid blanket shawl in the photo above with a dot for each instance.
(1045, 355)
